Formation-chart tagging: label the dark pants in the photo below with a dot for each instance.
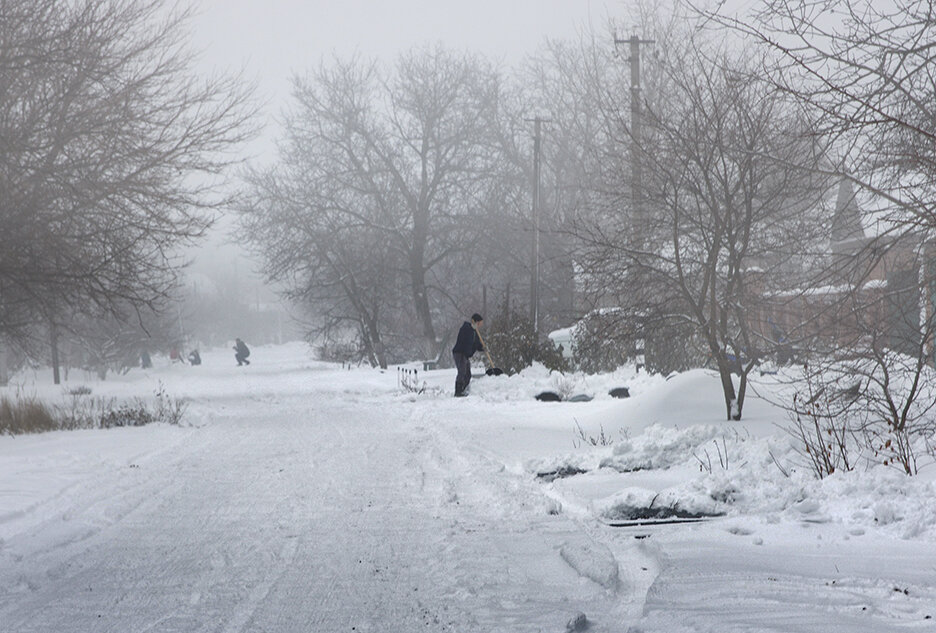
(463, 365)
(241, 359)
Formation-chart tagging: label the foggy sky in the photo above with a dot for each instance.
(273, 39)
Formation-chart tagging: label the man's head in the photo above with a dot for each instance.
(477, 320)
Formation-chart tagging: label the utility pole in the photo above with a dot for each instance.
(484, 310)
(507, 309)
(534, 251)
(53, 333)
(638, 214)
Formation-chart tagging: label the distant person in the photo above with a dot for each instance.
(241, 352)
(175, 355)
(194, 357)
(145, 361)
(466, 345)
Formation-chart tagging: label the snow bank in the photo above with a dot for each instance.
(739, 475)
(533, 380)
(670, 446)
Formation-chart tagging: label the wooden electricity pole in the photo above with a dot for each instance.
(638, 213)
(534, 250)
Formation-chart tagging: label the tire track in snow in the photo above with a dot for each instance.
(297, 515)
(369, 556)
(515, 509)
(49, 548)
(92, 490)
(638, 560)
(246, 610)
(133, 512)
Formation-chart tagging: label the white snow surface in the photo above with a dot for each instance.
(299, 496)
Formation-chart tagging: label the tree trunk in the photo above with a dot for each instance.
(724, 372)
(4, 375)
(421, 303)
(742, 386)
(376, 352)
(56, 378)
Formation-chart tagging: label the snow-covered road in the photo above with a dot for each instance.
(301, 497)
(292, 513)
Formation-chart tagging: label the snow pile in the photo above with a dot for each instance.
(656, 448)
(722, 473)
(881, 497)
(641, 503)
(536, 379)
(660, 447)
(668, 449)
(562, 465)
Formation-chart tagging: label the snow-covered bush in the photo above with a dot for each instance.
(565, 384)
(341, 351)
(721, 452)
(584, 439)
(606, 339)
(825, 426)
(876, 408)
(601, 342)
(514, 345)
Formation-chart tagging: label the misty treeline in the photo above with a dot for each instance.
(775, 202)
(112, 156)
(401, 201)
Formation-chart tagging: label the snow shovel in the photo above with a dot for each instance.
(492, 370)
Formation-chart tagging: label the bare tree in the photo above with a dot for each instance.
(863, 72)
(111, 156)
(403, 156)
(103, 343)
(731, 195)
(317, 239)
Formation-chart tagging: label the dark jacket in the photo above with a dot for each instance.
(242, 349)
(468, 341)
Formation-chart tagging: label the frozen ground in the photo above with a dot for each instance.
(302, 497)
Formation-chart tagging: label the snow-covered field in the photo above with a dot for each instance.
(299, 496)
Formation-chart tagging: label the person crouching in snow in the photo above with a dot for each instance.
(194, 357)
(241, 352)
(466, 345)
